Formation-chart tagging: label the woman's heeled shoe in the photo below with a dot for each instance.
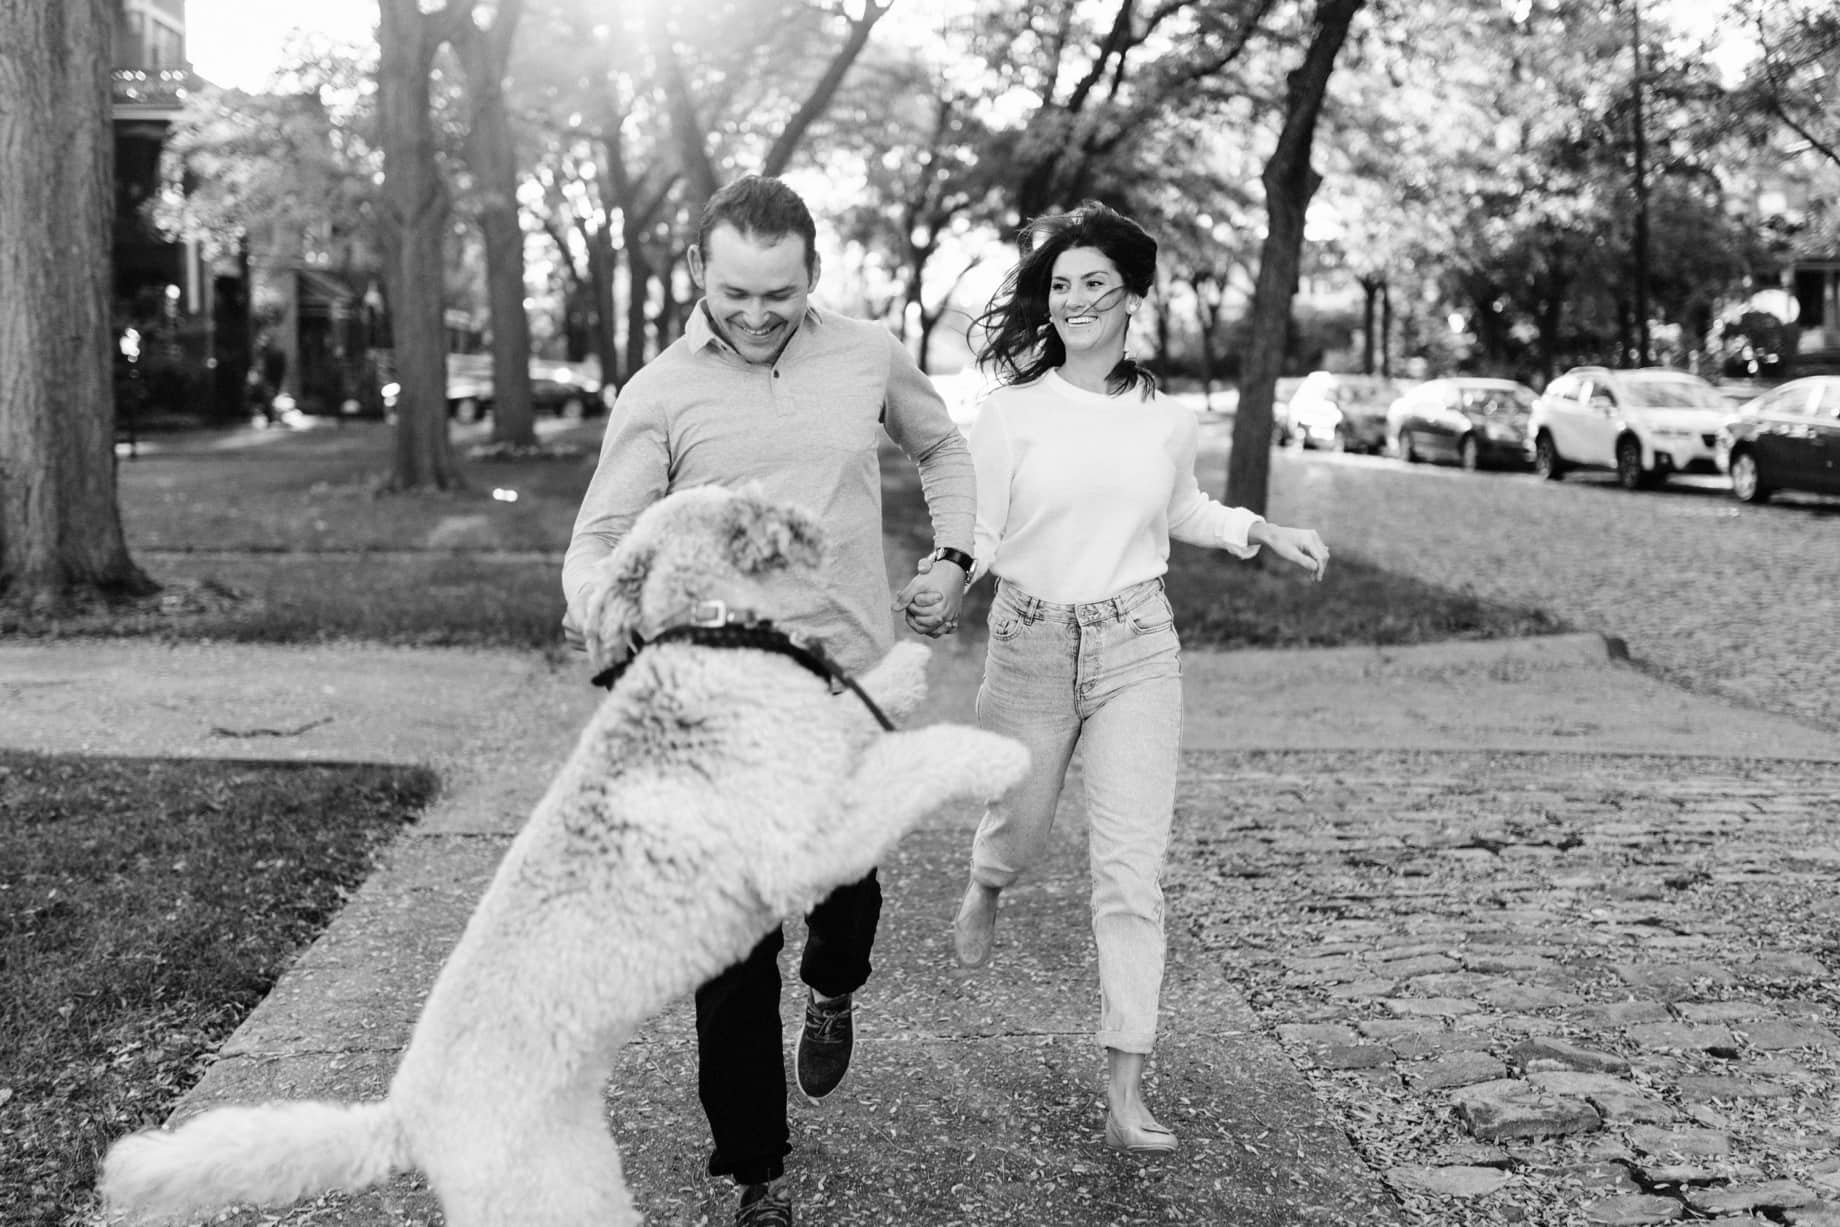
(974, 930)
(1154, 1140)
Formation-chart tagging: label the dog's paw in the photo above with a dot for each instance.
(905, 776)
(897, 682)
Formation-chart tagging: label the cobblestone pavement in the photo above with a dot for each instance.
(1724, 598)
(1606, 1000)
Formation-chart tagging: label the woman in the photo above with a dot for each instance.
(1083, 476)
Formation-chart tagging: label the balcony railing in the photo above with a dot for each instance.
(157, 88)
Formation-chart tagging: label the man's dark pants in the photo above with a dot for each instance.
(741, 1068)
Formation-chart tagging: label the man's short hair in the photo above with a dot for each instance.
(762, 207)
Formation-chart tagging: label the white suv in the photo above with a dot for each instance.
(1643, 424)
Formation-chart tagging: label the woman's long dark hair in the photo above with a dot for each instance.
(1020, 343)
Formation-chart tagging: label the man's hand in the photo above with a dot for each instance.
(932, 598)
(1298, 545)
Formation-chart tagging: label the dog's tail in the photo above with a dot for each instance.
(269, 1155)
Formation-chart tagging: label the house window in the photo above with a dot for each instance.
(154, 40)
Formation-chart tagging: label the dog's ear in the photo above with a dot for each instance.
(767, 536)
(613, 611)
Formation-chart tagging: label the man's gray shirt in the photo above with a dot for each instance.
(805, 429)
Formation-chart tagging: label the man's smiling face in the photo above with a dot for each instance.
(756, 288)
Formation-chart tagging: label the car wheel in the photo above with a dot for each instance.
(1338, 442)
(466, 410)
(1629, 471)
(1746, 481)
(574, 409)
(1546, 461)
(1408, 450)
(1469, 453)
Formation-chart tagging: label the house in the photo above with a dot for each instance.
(182, 322)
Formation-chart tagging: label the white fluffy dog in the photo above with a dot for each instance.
(715, 791)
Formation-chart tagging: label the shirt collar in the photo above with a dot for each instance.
(701, 334)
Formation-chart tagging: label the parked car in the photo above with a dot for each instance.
(1786, 439)
(1642, 424)
(569, 390)
(1340, 412)
(1281, 407)
(1472, 421)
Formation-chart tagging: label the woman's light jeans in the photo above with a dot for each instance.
(1106, 677)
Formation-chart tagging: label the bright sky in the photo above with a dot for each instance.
(237, 43)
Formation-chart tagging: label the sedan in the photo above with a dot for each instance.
(570, 390)
(1471, 421)
(1786, 439)
(1340, 412)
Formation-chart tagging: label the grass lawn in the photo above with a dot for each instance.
(145, 907)
(277, 536)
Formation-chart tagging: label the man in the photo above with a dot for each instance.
(763, 387)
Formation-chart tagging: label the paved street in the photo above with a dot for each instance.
(1737, 601)
(1540, 989)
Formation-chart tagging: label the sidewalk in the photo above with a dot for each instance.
(1417, 862)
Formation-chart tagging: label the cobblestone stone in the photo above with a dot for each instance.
(1775, 1195)
(1510, 1108)
(1633, 1211)
(1457, 1069)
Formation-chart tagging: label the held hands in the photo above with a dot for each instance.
(1299, 545)
(932, 598)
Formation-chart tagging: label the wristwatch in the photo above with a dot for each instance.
(958, 558)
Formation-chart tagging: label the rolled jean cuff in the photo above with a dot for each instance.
(995, 879)
(1143, 1044)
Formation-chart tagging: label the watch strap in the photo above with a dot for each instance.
(959, 558)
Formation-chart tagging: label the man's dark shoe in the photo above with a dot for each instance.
(824, 1046)
(762, 1205)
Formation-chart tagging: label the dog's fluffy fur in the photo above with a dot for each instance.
(715, 791)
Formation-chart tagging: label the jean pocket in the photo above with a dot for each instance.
(1004, 627)
(1152, 617)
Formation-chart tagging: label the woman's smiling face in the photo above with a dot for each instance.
(1088, 302)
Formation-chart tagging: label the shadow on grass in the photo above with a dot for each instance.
(146, 907)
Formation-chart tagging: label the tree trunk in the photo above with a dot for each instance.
(638, 290)
(1207, 318)
(1370, 297)
(602, 263)
(1289, 183)
(415, 210)
(1551, 318)
(492, 156)
(60, 526)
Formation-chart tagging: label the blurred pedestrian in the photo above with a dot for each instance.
(763, 387)
(1083, 475)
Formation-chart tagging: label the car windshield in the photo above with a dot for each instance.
(1497, 402)
(1683, 393)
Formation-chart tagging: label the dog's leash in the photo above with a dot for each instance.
(712, 624)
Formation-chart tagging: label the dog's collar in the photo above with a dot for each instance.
(712, 624)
